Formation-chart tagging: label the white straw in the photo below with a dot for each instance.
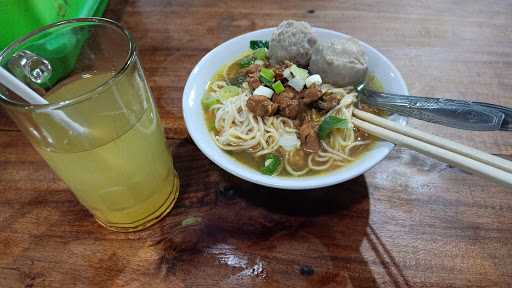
(18, 87)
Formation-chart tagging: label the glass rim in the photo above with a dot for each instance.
(82, 96)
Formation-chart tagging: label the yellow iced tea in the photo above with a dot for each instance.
(121, 170)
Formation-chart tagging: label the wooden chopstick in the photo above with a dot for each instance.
(402, 136)
(458, 148)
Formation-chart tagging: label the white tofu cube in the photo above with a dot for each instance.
(297, 84)
(263, 91)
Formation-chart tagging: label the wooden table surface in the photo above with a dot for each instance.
(409, 222)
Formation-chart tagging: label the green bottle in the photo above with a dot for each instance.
(24, 16)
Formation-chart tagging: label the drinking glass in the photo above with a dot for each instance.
(95, 123)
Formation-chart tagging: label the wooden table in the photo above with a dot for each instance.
(409, 222)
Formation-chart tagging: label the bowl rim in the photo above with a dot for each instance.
(282, 182)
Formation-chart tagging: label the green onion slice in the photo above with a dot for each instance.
(260, 53)
(278, 87)
(229, 91)
(299, 72)
(267, 73)
(271, 164)
(247, 61)
(266, 82)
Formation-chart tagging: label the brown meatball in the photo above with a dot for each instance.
(308, 137)
(311, 94)
(290, 105)
(340, 62)
(261, 106)
(293, 41)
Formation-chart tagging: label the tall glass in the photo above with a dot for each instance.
(97, 125)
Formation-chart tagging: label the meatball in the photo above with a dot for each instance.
(292, 41)
(340, 62)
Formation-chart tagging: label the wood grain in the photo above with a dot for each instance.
(409, 222)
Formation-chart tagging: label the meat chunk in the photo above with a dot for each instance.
(290, 105)
(293, 41)
(278, 74)
(261, 106)
(309, 137)
(254, 82)
(292, 109)
(340, 62)
(311, 94)
(328, 101)
(252, 69)
(288, 94)
(252, 73)
(278, 71)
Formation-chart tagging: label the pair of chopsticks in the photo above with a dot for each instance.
(453, 153)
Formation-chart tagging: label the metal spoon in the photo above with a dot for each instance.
(459, 114)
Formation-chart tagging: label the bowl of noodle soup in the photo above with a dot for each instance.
(217, 147)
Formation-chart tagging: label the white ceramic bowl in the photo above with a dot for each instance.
(197, 82)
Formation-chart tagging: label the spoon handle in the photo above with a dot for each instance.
(448, 112)
(506, 125)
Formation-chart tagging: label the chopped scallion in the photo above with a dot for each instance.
(271, 164)
(278, 87)
(265, 81)
(247, 61)
(260, 53)
(299, 72)
(267, 73)
(229, 91)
